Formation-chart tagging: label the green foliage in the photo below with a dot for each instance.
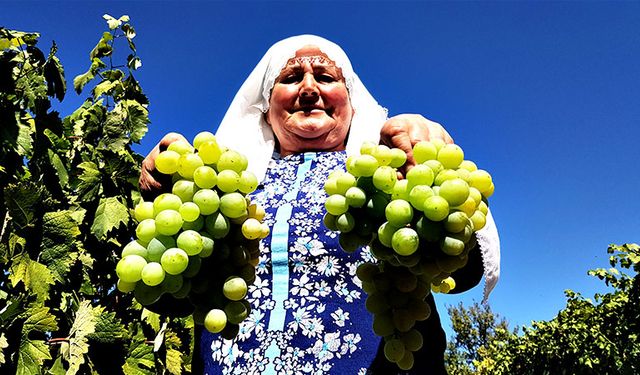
(475, 327)
(65, 187)
(599, 336)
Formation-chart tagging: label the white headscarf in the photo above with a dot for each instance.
(244, 128)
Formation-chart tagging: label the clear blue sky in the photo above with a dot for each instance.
(546, 96)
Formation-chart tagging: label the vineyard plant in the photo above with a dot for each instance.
(67, 185)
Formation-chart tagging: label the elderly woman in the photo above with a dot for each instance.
(297, 115)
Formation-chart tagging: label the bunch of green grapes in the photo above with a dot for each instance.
(198, 245)
(420, 229)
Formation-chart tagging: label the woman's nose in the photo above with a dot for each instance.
(309, 87)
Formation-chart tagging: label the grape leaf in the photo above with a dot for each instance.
(59, 231)
(89, 186)
(152, 318)
(58, 165)
(109, 215)
(174, 361)
(35, 276)
(3, 345)
(38, 319)
(83, 325)
(81, 80)
(21, 200)
(140, 359)
(31, 356)
(24, 141)
(57, 368)
(109, 329)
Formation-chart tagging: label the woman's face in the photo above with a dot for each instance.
(309, 108)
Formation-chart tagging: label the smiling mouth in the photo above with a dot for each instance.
(312, 110)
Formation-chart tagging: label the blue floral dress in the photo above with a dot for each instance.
(308, 313)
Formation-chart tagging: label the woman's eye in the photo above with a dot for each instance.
(290, 79)
(325, 78)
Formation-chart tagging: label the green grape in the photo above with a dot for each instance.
(168, 222)
(197, 224)
(376, 303)
(409, 260)
(167, 162)
(450, 283)
(468, 165)
(377, 204)
(228, 180)
(230, 331)
(189, 211)
(125, 287)
(184, 189)
(181, 147)
(187, 164)
(330, 221)
(367, 147)
(479, 220)
(450, 156)
(205, 177)
(174, 261)
(398, 158)
(366, 184)
(230, 160)
(465, 234)
(248, 182)
(412, 340)
(134, 248)
(436, 208)
(435, 166)
(423, 151)
(147, 295)
(235, 288)
(401, 190)
(152, 274)
(207, 200)
(209, 152)
(405, 282)
(455, 191)
(217, 225)
(420, 174)
(481, 180)
(251, 229)
(475, 195)
(157, 247)
(203, 137)
(190, 241)
(384, 178)
(365, 165)
(482, 207)
(406, 362)
(345, 222)
(129, 268)
(207, 245)
(444, 175)
(419, 308)
(233, 205)
(144, 210)
(405, 241)
(451, 246)
(349, 163)
(463, 174)
(383, 324)
(489, 192)
(166, 201)
(394, 350)
(195, 262)
(345, 181)
(172, 283)
(383, 154)
(331, 186)
(366, 271)
(355, 197)
(439, 143)
(236, 312)
(385, 233)
(403, 320)
(336, 204)
(455, 222)
(399, 212)
(468, 206)
(146, 230)
(215, 320)
(184, 291)
(418, 195)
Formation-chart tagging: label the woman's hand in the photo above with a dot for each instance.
(152, 182)
(404, 131)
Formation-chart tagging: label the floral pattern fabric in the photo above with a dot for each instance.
(314, 321)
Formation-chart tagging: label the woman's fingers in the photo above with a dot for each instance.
(152, 182)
